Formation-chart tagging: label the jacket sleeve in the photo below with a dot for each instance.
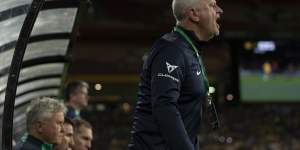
(167, 73)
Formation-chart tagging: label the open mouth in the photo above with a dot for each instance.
(217, 22)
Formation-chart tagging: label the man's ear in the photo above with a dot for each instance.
(39, 126)
(72, 95)
(194, 14)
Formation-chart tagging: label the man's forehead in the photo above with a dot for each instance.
(58, 115)
(68, 127)
(211, 1)
(83, 89)
(85, 129)
(86, 132)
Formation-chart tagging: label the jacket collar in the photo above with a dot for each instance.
(191, 34)
(34, 140)
(38, 143)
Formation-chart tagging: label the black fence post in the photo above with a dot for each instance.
(14, 71)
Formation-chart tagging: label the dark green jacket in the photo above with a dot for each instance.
(33, 143)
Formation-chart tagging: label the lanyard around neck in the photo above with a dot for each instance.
(47, 146)
(187, 38)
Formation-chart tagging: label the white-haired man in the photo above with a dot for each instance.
(44, 124)
(173, 85)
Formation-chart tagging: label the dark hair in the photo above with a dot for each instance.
(69, 121)
(73, 87)
(79, 123)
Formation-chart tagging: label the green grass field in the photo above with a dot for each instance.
(278, 88)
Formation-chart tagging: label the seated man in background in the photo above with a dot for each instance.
(44, 124)
(83, 135)
(77, 98)
(68, 139)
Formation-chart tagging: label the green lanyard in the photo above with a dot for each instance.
(186, 37)
(77, 113)
(47, 146)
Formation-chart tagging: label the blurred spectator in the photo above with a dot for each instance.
(14, 143)
(243, 127)
(77, 98)
(83, 135)
(274, 132)
(44, 124)
(68, 139)
(267, 69)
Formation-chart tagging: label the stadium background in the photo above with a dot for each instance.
(112, 38)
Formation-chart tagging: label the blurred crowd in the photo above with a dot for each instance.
(255, 127)
(243, 127)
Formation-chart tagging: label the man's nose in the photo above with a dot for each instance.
(61, 128)
(72, 141)
(219, 10)
(89, 144)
